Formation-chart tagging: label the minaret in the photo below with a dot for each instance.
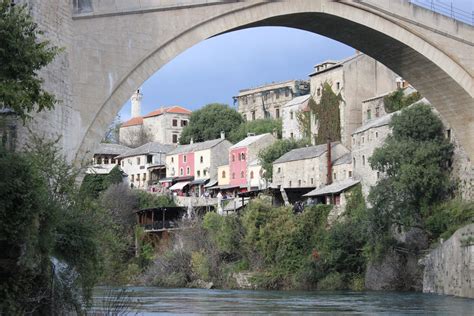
(136, 103)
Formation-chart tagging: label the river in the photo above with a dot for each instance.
(156, 301)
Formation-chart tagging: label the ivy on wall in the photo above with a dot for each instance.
(328, 115)
(397, 100)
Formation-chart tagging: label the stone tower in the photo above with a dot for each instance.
(136, 103)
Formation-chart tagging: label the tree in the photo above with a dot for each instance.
(208, 123)
(256, 127)
(136, 136)
(276, 150)
(415, 160)
(22, 56)
(328, 115)
(112, 135)
(397, 100)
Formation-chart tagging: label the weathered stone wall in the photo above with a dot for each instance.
(449, 269)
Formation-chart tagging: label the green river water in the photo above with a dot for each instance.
(158, 301)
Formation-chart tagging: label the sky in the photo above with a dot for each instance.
(216, 69)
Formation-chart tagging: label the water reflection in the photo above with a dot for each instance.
(153, 301)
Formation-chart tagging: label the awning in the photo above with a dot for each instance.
(156, 167)
(169, 179)
(198, 182)
(211, 184)
(333, 188)
(179, 185)
(225, 187)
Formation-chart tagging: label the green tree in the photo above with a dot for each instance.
(328, 115)
(208, 122)
(256, 127)
(22, 55)
(415, 160)
(397, 100)
(276, 150)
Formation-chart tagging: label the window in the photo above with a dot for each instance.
(337, 199)
(353, 140)
(369, 115)
(123, 163)
(253, 115)
(138, 161)
(289, 184)
(184, 158)
(277, 113)
(279, 169)
(318, 92)
(205, 172)
(172, 159)
(376, 134)
(144, 177)
(242, 174)
(350, 174)
(362, 139)
(378, 175)
(137, 177)
(338, 85)
(106, 161)
(133, 177)
(277, 93)
(244, 100)
(291, 135)
(198, 173)
(291, 115)
(112, 161)
(175, 138)
(245, 117)
(377, 112)
(223, 174)
(312, 181)
(448, 134)
(251, 174)
(201, 159)
(188, 171)
(233, 175)
(243, 156)
(363, 160)
(287, 92)
(233, 157)
(181, 171)
(334, 176)
(175, 122)
(299, 183)
(354, 161)
(149, 159)
(184, 123)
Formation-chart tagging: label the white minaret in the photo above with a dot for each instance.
(136, 103)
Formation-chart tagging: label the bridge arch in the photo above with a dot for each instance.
(437, 63)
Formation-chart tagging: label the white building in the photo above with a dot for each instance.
(144, 166)
(105, 158)
(290, 111)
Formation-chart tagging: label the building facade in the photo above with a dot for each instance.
(243, 157)
(290, 112)
(267, 101)
(105, 158)
(163, 125)
(355, 79)
(144, 166)
(305, 167)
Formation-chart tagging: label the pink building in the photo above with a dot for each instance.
(242, 154)
(186, 164)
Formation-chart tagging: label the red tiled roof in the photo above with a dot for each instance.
(172, 109)
(133, 121)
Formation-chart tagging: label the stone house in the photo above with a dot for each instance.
(243, 160)
(105, 158)
(289, 114)
(145, 165)
(342, 168)
(356, 79)
(335, 194)
(163, 125)
(197, 162)
(267, 101)
(305, 167)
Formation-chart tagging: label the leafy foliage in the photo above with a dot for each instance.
(415, 160)
(208, 122)
(256, 127)
(22, 55)
(276, 150)
(397, 100)
(328, 115)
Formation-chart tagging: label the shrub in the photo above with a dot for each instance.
(200, 265)
(331, 282)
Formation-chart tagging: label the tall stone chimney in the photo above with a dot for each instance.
(136, 103)
(329, 154)
(222, 135)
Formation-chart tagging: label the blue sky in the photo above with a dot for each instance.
(216, 69)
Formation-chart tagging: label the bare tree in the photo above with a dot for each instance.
(135, 137)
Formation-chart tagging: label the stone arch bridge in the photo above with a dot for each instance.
(113, 46)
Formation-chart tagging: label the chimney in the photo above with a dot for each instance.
(191, 141)
(222, 135)
(136, 103)
(329, 175)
